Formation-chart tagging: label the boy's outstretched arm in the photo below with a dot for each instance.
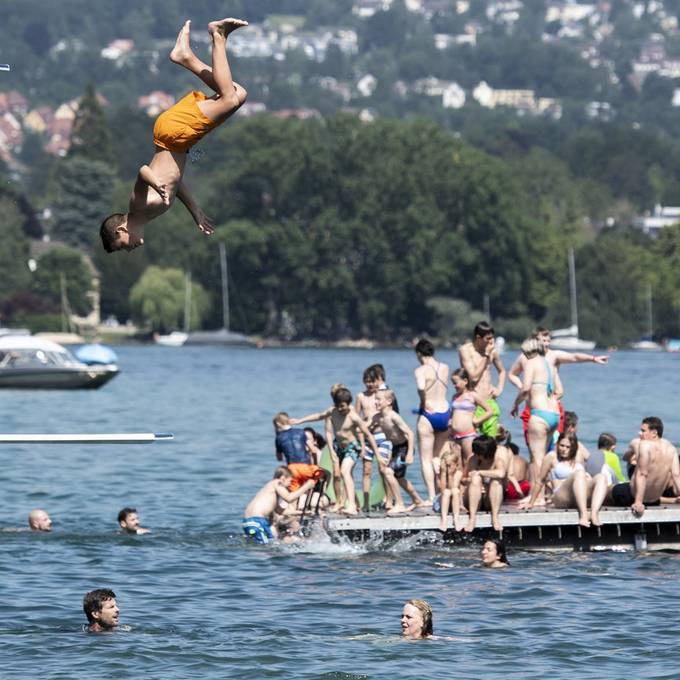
(203, 222)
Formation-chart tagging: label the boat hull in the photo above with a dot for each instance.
(56, 378)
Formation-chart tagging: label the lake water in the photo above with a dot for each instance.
(196, 600)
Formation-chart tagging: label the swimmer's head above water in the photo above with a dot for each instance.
(101, 609)
(416, 620)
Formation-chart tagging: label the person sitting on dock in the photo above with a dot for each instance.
(315, 445)
(493, 554)
(606, 443)
(291, 446)
(128, 520)
(656, 473)
(518, 475)
(571, 484)
(101, 609)
(259, 513)
(400, 436)
(486, 479)
(416, 620)
(540, 391)
(39, 520)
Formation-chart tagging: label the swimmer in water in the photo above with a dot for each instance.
(416, 620)
(128, 520)
(39, 520)
(176, 131)
(493, 554)
(101, 609)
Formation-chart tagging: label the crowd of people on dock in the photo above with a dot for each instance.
(467, 458)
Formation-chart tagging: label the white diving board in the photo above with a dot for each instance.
(79, 438)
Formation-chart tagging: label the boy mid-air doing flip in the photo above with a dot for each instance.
(175, 132)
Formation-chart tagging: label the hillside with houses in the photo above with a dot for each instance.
(507, 130)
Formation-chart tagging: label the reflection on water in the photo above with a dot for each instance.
(195, 599)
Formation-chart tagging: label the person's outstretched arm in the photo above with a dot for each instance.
(203, 222)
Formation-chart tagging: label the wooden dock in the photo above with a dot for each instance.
(551, 529)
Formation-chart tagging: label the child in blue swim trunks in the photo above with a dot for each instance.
(258, 516)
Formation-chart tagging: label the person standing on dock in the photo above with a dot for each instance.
(539, 391)
(477, 357)
(555, 358)
(432, 382)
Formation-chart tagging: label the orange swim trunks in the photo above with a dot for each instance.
(302, 472)
(182, 125)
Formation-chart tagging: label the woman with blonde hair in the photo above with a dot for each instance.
(416, 620)
(539, 388)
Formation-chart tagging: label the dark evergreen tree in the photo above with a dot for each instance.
(90, 136)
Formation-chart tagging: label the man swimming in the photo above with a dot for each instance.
(128, 521)
(101, 609)
(39, 520)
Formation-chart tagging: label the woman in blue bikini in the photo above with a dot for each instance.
(432, 381)
(538, 389)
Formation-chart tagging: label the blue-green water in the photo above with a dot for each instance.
(196, 600)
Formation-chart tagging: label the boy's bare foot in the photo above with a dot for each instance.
(225, 26)
(497, 525)
(457, 524)
(444, 525)
(469, 527)
(336, 507)
(349, 511)
(595, 519)
(182, 52)
(426, 504)
(584, 521)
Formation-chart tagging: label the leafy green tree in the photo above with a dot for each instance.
(67, 263)
(158, 299)
(14, 249)
(90, 135)
(84, 195)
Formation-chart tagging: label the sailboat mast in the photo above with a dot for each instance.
(187, 301)
(572, 288)
(225, 286)
(650, 320)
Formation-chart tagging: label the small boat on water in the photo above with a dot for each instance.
(29, 362)
(174, 339)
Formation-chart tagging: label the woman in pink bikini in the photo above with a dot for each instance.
(463, 424)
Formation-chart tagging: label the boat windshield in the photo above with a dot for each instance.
(32, 358)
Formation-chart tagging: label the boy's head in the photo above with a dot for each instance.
(284, 475)
(606, 441)
(484, 446)
(281, 421)
(384, 399)
(570, 422)
(115, 234)
(342, 399)
(374, 376)
(335, 387)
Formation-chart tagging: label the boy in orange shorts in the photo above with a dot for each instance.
(175, 132)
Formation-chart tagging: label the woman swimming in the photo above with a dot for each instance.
(493, 554)
(416, 620)
(572, 486)
(539, 390)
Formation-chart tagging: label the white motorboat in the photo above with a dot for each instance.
(29, 362)
(174, 339)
